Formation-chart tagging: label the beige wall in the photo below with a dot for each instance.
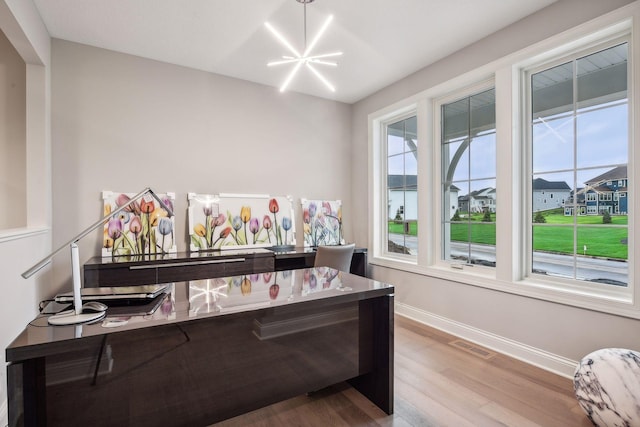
(122, 123)
(24, 29)
(13, 144)
(557, 329)
(113, 114)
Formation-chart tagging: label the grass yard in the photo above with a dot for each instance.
(601, 240)
(398, 228)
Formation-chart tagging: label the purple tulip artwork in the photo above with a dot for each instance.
(229, 221)
(322, 222)
(142, 228)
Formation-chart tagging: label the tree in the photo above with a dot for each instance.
(606, 217)
(487, 216)
(456, 216)
(398, 215)
(539, 218)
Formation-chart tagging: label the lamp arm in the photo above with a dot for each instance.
(40, 264)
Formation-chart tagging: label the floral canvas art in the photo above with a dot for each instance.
(142, 228)
(235, 221)
(322, 222)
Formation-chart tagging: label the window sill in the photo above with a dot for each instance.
(621, 305)
(21, 233)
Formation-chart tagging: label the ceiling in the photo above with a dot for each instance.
(382, 40)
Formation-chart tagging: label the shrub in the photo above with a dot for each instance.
(606, 217)
(487, 216)
(539, 218)
(456, 216)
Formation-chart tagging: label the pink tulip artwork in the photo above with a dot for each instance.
(143, 228)
(229, 221)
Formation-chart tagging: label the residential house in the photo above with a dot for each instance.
(478, 201)
(403, 197)
(549, 195)
(608, 192)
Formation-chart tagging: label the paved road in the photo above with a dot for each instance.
(587, 268)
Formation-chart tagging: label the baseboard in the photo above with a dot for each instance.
(551, 362)
(4, 415)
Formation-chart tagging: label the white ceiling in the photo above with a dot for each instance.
(382, 40)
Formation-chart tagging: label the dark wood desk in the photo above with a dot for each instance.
(216, 348)
(147, 269)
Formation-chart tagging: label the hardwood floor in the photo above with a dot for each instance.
(437, 384)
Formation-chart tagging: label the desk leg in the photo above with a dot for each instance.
(376, 347)
(27, 393)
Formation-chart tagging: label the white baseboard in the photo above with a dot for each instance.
(534, 356)
(4, 414)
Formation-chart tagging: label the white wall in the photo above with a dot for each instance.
(553, 330)
(122, 123)
(114, 112)
(13, 144)
(20, 248)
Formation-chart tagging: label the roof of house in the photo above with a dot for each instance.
(543, 184)
(483, 192)
(619, 172)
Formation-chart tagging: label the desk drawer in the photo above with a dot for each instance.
(126, 274)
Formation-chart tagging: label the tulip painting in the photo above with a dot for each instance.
(142, 228)
(322, 222)
(252, 221)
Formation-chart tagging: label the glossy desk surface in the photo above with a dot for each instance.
(200, 299)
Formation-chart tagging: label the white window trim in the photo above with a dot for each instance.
(437, 238)
(610, 293)
(377, 179)
(510, 252)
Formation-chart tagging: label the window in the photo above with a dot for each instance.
(542, 132)
(468, 153)
(580, 136)
(402, 186)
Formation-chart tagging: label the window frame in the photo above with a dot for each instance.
(378, 179)
(438, 238)
(385, 166)
(513, 187)
(560, 284)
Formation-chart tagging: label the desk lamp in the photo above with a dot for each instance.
(76, 316)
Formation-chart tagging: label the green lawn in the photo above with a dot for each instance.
(600, 239)
(398, 228)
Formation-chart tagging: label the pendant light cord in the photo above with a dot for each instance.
(305, 25)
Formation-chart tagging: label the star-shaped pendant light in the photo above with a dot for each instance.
(306, 58)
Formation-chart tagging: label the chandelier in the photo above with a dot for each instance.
(309, 60)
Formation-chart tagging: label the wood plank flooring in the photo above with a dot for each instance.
(437, 384)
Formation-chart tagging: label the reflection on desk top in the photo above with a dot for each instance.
(199, 299)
